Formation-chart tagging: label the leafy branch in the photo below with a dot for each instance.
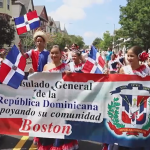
(113, 113)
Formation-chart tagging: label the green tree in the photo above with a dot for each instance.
(97, 42)
(59, 39)
(135, 22)
(86, 47)
(28, 42)
(78, 40)
(106, 41)
(7, 32)
(63, 39)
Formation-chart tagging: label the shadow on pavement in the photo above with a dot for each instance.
(89, 145)
(8, 142)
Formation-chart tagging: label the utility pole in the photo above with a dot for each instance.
(114, 37)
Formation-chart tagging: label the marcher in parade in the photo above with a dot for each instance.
(74, 47)
(69, 55)
(121, 58)
(65, 53)
(78, 61)
(135, 55)
(108, 55)
(114, 64)
(56, 54)
(57, 66)
(39, 55)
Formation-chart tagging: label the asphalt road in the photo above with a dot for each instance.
(25, 143)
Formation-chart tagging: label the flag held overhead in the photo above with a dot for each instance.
(29, 21)
(12, 68)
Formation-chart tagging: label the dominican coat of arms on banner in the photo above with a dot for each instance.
(128, 112)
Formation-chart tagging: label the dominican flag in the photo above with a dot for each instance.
(29, 21)
(12, 68)
(94, 63)
(134, 109)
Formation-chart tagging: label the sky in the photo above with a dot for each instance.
(87, 18)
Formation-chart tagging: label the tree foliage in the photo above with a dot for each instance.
(78, 40)
(28, 42)
(97, 42)
(106, 41)
(58, 39)
(86, 47)
(65, 40)
(7, 32)
(135, 22)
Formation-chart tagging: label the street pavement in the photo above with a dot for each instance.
(25, 142)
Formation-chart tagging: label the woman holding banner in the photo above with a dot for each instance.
(135, 55)
(56, 66)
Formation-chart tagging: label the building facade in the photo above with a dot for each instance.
(58, 27)
(64, 31)
(52, 26)
(42, 13)
(6, 11)
(6, 7)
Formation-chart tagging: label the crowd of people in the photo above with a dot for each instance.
(71, 60)
(136, 63)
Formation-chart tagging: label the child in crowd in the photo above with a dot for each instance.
(39, 56)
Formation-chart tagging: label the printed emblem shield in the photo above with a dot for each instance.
(134, 109)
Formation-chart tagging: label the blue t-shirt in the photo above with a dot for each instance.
(108, 56)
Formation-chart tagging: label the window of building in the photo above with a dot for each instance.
(1, 3)
(8, 4)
